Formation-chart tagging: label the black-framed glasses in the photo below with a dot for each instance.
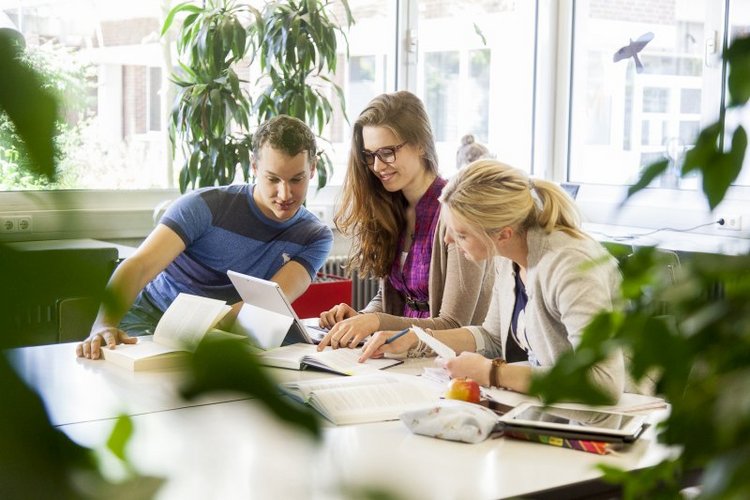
(386, 154)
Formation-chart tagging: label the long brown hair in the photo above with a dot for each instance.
(488, 195)
(367, 212)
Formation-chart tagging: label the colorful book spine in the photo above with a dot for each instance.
(598, 447)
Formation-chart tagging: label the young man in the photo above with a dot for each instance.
(261, 230)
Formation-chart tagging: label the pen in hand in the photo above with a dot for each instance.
(398, 335)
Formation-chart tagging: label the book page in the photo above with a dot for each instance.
(302, 389)
(144, 354)
(372, 403)
(346, 361)
(187, 320)
(365, 398)
(287, 356)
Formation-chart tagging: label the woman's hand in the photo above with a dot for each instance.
(350, 332)
(109, 335)
(376, 346)
(471, 365)
(335, 314)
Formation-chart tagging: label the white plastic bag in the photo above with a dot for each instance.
(452, 420)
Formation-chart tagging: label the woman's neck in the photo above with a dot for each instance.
(517, 250)
(418, 187)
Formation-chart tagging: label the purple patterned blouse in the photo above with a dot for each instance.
(413, 280)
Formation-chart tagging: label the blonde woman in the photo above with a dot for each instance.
(551, 279)
(390, 209)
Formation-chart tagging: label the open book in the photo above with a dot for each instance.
(343, 361)
(185, 322)
(367, 398)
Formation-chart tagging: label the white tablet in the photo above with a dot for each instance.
(267, 317)
(581, 421)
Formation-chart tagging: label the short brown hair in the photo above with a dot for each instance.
(285, 133)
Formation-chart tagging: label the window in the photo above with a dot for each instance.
(480, 79)
(154, 100)
(643, 85)
(498, 76)
(369, 71)
(113, 137)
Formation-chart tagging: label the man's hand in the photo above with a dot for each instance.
(111, 336)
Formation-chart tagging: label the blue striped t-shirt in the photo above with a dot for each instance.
(223, 229)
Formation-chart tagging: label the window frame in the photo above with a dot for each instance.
(551, 124)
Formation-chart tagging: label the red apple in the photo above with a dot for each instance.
(464, 389)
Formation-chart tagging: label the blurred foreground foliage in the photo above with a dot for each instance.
(38, 460)
(688, 331)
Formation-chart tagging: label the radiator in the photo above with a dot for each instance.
(363, 289)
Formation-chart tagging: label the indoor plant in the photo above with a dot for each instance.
(297, 49)
(699, 353)
(211, 104)
(295, 43)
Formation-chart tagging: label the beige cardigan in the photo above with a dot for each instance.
(568, 281)
(460, 291)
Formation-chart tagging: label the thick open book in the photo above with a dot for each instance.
(343, 361)
(184, 324)
(366, 398)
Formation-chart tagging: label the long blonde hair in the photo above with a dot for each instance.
(373, 216)
(488, 195)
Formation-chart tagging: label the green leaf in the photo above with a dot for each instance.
(738, 58)
(222, 364)
(704, 151)
(118, 439)
(184, 179)
(568, 380)
(724, 170)
(183, 7)
(647, 176)
(31, 107)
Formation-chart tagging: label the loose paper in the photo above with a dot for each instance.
(440, 349)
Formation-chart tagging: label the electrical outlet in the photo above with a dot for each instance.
(24, 223)
(16, 224)
(8, 225)
(732, 222)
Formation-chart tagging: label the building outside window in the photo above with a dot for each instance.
(646, 78)
(474, 64)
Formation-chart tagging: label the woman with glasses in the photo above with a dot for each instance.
(390, 209)
(551, 280)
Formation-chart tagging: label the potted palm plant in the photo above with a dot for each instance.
(295, 43)
(211, 112)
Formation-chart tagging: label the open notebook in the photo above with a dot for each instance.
(343, 361)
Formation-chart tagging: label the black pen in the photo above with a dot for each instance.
(397, 336)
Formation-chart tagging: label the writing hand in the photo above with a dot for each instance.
(378, 345)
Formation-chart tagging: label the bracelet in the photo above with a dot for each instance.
(421, 350)
(495, 378)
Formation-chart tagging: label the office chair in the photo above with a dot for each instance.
(36, 281)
